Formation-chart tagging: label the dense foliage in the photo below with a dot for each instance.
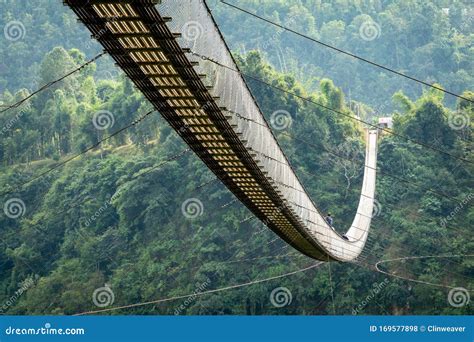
(430, 40)
(113, 215)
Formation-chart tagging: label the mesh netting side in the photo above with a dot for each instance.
(199, 33)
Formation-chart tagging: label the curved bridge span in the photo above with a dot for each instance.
(213, 110)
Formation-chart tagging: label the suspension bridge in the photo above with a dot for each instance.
(173, 52)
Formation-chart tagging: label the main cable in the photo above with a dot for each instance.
(49, 84)
(196, 294)
(346, 52)
(344, 158)
(133, 123)
(307, 99)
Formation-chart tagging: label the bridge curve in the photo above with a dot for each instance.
(213, 110)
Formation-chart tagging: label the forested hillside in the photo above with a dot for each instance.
(429, 40)
(113, 217)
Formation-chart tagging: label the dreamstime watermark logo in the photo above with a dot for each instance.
(348, 162)
(457, 209)
(459, 121)
(103, 296)
(106, 74)
(280, 119)
(241, 49)
(369, 30)
(458, 297)
(16, 118)
(192, 208)
(199, 289)
(46, 330)
(192, 30)
(468, 17)
(101, 210)
(280, 297)
(90, 43)
(376, 288)
(14, 30)
(24, 287)
(14, 208)
(103, 119)
(377, 208)
(273, 40)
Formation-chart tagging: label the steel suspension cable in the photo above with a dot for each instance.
(346, 52)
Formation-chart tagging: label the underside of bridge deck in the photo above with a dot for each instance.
(138, 38)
